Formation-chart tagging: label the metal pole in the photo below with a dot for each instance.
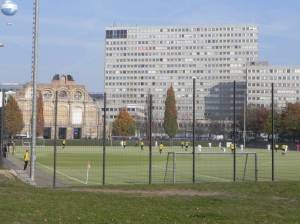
(234, 131)
(194, 122)
(245, 108)
(35, 37)
(2, 122)
(273, 140)
(150, 138)
(256, 170)
(55, 138)
(104, 142)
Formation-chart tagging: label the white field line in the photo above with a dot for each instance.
(217, 178)
(63, 174)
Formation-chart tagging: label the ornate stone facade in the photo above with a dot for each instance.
(78, 115)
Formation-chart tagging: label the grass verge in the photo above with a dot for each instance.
(234, 203)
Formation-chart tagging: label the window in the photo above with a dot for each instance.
(63, 94)
(47, 94)
(78, 95)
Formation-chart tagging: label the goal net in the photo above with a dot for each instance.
(209, 167)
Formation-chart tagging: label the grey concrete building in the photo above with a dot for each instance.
(143, 60)
(286, 79)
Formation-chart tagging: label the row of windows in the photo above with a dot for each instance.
(272, 71)
(274, 78)
(197, 44)
(258, 84)
(177, 48)
(193, 29)
(122, 60)
(63, 94)
(182, 42)
(200, 55)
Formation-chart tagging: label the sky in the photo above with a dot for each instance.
(72, 32)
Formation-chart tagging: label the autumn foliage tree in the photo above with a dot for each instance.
(14, 123)
(290, 121)
(257, 118)
(124, 124)
(170, 118)
(40, 116)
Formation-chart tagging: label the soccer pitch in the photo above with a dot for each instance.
(131, 165)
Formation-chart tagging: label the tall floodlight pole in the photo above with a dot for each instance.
(35, 35)
(245, 108)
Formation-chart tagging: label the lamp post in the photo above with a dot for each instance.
(245, 108)
(35, 35)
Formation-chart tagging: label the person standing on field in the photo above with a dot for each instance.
(186, 146)
(26, 159)
(161, 147)
(142, 145)
(64, 143)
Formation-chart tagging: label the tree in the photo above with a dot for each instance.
(14, 123)
(40, 116)
(257, 118)
(170, 119)
(124, 125)
(290, 121)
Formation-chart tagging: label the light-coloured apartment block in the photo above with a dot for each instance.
(260, 77)
(143, 60)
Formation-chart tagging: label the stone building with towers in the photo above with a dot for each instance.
(78, 115)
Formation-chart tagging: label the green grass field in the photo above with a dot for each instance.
(210, 203)
(130, 166)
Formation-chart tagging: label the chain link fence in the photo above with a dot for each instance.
(79, 147)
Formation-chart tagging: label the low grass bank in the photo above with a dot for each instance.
(234, 203)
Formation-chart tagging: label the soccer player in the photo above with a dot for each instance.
(26, 159)
(182, 144)
(161, 147)
(232, 148)
(64, 143)
(284, 149)
(124, 144)
(142, 145)
(276, 147)
(186, 146)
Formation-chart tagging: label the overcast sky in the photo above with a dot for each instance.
(72, 32)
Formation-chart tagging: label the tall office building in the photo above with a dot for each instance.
(260, 77)
(143, 60)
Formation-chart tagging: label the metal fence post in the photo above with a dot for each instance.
(2, 123)
(194, 121)
(273, 140)
(234, 131)
(104, 142)
(150, 138)
(256, 168)
(55, 139)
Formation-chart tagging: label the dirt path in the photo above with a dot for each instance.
(157, 193)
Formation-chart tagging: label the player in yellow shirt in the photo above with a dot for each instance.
(142, 145)
(161, 147)
(26, 159)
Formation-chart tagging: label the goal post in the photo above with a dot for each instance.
(210, 166)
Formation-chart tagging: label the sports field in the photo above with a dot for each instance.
(131, 165)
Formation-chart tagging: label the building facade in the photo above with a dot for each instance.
(78, 115)
(260, 77)
(143, 60)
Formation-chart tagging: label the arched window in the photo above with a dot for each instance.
(78, 95)
(47, 94)
(63, 94)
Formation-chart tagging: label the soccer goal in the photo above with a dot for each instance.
(210, 167)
